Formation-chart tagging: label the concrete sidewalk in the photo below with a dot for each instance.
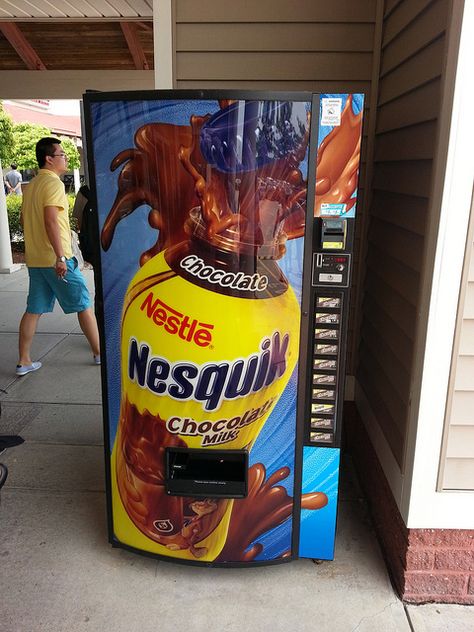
(59, 574)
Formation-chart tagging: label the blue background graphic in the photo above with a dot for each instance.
(317, 528)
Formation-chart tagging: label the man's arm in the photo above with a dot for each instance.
(52, 230)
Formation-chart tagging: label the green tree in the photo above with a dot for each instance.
(7, 140)
(71, 151)
(26, 136)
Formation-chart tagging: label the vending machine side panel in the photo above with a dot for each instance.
(327, 288)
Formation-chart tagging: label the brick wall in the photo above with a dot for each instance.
(426, 565)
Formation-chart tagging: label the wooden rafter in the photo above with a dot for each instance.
(130, 33)
(145, 26)
(22, 46)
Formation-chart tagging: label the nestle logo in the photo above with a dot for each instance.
(176, 323)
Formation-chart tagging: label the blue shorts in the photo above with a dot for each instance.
(45, 288)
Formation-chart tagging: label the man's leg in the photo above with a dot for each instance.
(88, 323)
(28, 325)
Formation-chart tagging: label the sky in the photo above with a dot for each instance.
(67, 107)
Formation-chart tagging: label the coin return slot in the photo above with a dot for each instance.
(206, 473)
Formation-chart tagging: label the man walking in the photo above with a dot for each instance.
(52, 269)
(13, 180)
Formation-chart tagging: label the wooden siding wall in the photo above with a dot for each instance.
(280, 45)
(457, 467)
(412, 57)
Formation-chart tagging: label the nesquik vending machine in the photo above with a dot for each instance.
(226, 233)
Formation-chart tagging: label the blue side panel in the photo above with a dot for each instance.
(318, 526)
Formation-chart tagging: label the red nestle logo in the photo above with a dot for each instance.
(176, 323)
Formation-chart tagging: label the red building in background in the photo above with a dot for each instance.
(44, 112)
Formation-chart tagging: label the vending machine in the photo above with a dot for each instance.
(226, 224)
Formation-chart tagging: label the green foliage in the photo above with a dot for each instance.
(6, 137)
(16, 229)
(26, 136)
(71, 198)
(72, 153)
(18, 142)
(13, 210)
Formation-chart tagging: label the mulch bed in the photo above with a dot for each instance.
(17, 256)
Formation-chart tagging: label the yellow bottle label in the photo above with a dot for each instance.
(199, 369)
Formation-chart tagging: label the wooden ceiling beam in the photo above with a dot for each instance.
(145, 26)
(24, 49)
(130, 33)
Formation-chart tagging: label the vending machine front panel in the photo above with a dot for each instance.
(202, 206)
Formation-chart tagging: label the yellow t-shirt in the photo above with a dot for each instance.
(46, 189)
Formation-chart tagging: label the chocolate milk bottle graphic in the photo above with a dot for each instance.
(210, 325)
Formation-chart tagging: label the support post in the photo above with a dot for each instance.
(6, 262)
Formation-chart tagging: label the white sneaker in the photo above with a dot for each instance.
(97, 359)
(27, 368)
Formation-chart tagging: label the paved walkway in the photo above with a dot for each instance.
(59, 574)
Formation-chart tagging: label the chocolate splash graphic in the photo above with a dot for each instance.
(266, 506)
(153, 175)
(174, 521)
(260, 195)
(253, 207)
(338, 162)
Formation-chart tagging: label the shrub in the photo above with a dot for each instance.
(16, 229)
(13, 210)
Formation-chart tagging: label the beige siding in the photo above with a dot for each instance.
(272, 66)
(457, 462)
(275, 45)
(280, 45)
(413, 48)
(275, 11)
